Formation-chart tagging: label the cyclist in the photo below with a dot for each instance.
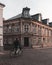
(17, 45)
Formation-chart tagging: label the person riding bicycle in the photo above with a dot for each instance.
(17, 45)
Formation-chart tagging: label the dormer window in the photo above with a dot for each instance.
(25, 12)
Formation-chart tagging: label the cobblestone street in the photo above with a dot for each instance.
(29, 57)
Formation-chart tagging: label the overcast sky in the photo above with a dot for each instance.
(14, 7)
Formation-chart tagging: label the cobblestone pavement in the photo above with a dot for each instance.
(29, 57)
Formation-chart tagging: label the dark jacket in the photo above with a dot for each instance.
(16, 43)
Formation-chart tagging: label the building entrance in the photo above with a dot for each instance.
(26, 41)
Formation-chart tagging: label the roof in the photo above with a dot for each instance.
(15, 17)
(18, 16)
(21, 15)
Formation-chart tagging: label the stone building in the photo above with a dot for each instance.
(30, 29)
(1, 23)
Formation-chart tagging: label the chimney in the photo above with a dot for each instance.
(25, 12)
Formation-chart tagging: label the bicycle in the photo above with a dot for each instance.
(18, 52)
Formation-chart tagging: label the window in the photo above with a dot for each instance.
(39, 30)
(0, 42)
(26, 28)
(34, 40)
(39, 40)
(25, 13)
(43, 39)
(9, 28)
(34, 29)
(48, 32)
(15, 27)
(5, 41)
(9, 41)
(5, 29)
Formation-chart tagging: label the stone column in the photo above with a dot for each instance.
(1, 23)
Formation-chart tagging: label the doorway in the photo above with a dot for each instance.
(26, 41)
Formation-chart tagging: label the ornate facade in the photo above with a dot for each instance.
(30, 29)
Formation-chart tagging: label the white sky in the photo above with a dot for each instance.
(14, 7)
